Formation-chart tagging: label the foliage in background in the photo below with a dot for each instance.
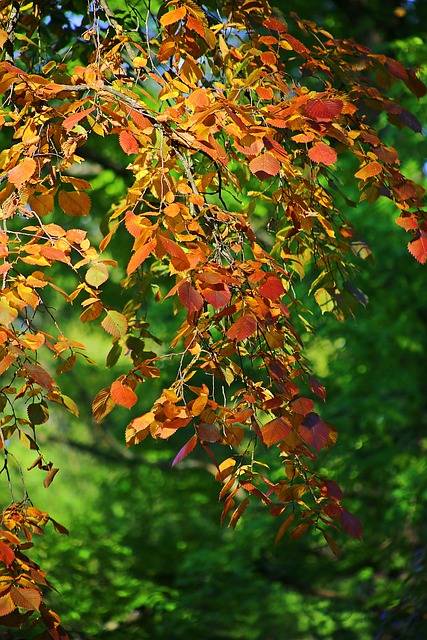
(166, 601)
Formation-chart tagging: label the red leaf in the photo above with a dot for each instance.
(332, 490)
(190, 297)
(7, 555)
(276, 430)
(321, 152)
(314, 431)
(265, 166)
(123, 395)
(186, 449)
(407, 221)
(418, 248)
(128, 143)
(242, 328)
(272, 288)
(351, 525)
(324, 110)
(218, 295)
(317, 388)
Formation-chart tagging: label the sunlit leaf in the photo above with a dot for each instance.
(22, 172)
(418, 248)
(97, 274)
(115, 323)
(369, 170)
(171, 17)
(185, 450)
(128, 143)
(265, 166)
(123, 394)
(322, 153)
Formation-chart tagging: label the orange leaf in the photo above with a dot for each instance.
(242, 328)
(72, 120)
(75, 203)
(190, 297)
(123, 395)
(186, 449)
(138, 429)
(418, 248)
(370, 170)
(321, 152)
(173, 16)
(140, 256)
(265, 166)
(22, 172)
(179, 258)
(128, 143)
(276, 430)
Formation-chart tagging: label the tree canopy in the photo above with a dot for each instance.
(226, 129)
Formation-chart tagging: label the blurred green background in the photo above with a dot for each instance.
(146, 556)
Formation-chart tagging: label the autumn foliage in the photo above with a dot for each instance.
(208, 106)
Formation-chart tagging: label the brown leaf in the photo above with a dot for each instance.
(75, 203)
(102, 404)
(26, 598)
(50, 476)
